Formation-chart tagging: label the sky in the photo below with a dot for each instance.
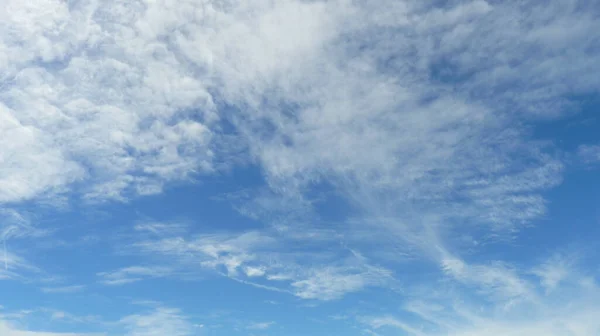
(299, 167)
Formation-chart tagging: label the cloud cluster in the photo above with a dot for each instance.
(123, 97)
(415, 115)
(261, 259)
(81, 105)
(117, 99)
(559, 300)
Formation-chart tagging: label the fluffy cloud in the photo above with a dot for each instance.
(80, 104)
(118, 99)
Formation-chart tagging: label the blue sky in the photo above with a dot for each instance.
(295, 167)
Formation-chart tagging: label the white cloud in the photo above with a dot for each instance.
(261, 325)
(254, 271)
(392, 138)
(416, 116)
(132, 274)
(324, 101)
(107, 121)
(20, 321)
(13, 266)
(387, 321)
(370, 332)
(7, 329)
(115, 98)
(589, 153)
(568, 302)
(119, 99)
(64, 289)
(160, 321)
(266, 260)
(496, 280)
(556, 270)
(161, 229)
(16, 227)
(330, 283)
